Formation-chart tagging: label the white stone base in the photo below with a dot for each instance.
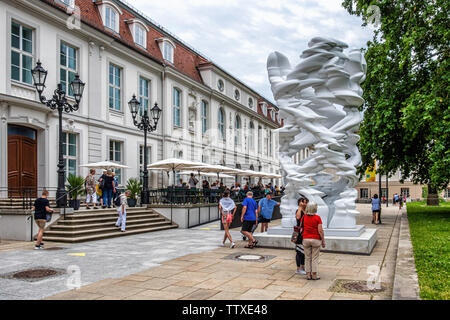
(363, 244)
(357, 231)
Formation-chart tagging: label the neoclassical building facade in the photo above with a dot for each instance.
(207, 114)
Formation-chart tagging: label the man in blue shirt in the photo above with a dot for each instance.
(249, 218)
(265, 210)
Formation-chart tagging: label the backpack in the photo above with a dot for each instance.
(117, 199)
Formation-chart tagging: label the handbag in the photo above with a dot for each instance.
(297, 234)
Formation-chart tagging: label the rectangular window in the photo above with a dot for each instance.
(176, 107)
(70, 153)
(141, 161)
(21, 53)
(68, 69)
(364, 193)
(204, 116)
(383, 193)
(115, 155)
(447, 193)
(270, 143)
(115, 87)
(144, 89)
(405, 192)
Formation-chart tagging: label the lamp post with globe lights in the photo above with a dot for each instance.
(58, 102)
(143, 122)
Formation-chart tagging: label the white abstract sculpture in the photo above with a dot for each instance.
(318, 100)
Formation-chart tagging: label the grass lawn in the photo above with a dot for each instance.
(430, 236)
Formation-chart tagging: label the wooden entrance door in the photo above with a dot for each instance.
(22, 160)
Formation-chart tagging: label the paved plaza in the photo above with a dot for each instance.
(191, 265)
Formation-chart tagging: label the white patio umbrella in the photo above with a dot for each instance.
(104, 164)
(174, 164)
(216, 168)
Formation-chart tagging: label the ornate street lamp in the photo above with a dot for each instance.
(143, 122)
(60, 103)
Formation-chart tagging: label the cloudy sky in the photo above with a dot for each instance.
(238, 35)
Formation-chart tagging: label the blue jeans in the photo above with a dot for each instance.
(107, 194)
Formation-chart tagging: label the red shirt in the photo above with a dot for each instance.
(310, 229)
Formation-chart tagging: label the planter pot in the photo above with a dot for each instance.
(132, 202)
(75, 204)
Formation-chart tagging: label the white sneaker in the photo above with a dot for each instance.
(232, 245)
(222, 244)
(38, 248)
(300, 272)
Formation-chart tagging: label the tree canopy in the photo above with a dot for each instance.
(407, 117)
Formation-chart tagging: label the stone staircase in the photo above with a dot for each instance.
(88, 225)
(17, 203)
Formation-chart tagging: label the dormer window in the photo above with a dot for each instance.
(167, 48)
(139, 31)
(264, 108)
(110, 13)
(237, 95)
(168, 52)
(250, 103)
(69, 3)
(110, 18)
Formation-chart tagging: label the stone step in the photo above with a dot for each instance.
(74, 227)
(117, 233)
(105, 219)
(103, 214)
(98, 231)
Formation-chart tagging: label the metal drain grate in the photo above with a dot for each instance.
(362, 287)
(359, 287)
(34, 274)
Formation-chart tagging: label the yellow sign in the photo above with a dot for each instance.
(371, 172)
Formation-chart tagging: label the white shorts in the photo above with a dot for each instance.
(91, 198)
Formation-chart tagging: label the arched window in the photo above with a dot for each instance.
(204, 116)
(251, 136)
(237, 132)
(221, 123)
(176, 107)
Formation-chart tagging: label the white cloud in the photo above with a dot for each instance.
(238, 35)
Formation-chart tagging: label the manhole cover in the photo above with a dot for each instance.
(34, 274)
(359, 287)
(249, 257)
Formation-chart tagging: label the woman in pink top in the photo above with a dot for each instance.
(313, 237)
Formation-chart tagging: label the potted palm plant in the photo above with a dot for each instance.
(134, 185)
(75, 188)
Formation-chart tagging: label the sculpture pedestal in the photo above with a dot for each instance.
(364, 243)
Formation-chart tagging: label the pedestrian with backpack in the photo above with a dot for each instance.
(41, 207)
(121, 202)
